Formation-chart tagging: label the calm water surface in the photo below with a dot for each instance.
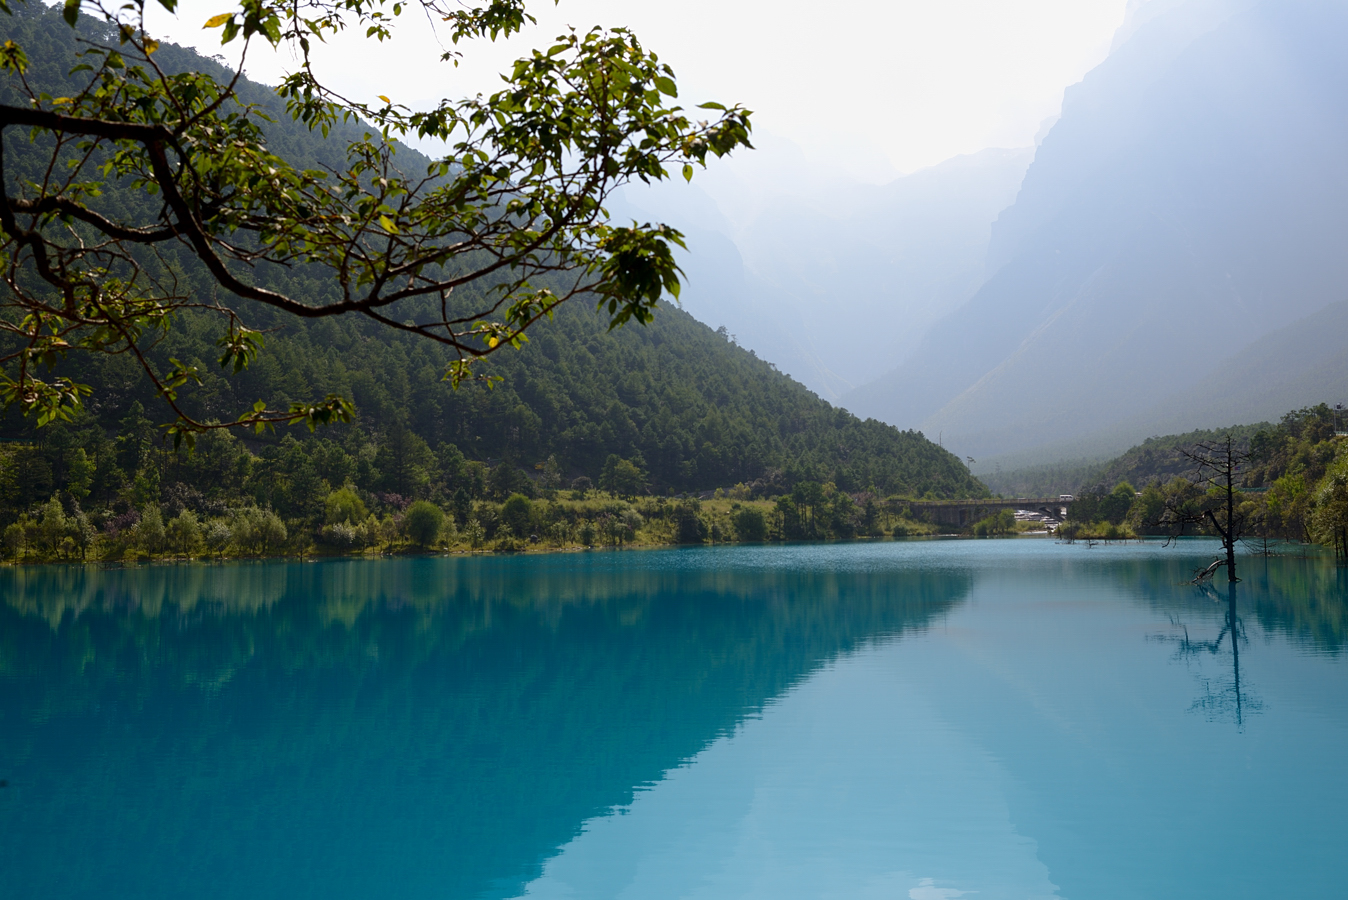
(920, 720)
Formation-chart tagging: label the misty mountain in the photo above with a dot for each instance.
(1191, 201)
(1298, 365)
(836, 285)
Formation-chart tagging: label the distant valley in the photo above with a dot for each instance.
(837, 283)
(1171, 256)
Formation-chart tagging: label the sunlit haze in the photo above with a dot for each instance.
(872, 89)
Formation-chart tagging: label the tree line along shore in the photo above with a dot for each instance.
(1291, 480)
(80, 494)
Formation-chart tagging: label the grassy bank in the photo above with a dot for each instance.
(350, 526)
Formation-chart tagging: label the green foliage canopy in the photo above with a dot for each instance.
(156, 181)
(624, 477)
(1290, 483)
(424, 521)
(517, 514)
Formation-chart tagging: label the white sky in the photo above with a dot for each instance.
(872, 89)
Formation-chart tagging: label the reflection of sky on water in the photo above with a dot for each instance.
(850, 787)
(1039, 742)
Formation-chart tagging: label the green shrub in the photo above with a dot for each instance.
(517, 514)
(183, 533)
(1003, 522)
(257, 531)
(423, 523)
(750, 524)
(1329, 516)
(149, 530)
(632, 519)
(340, 536)
(16, 539)
(623, 477)
(344, 507)
(474, 534)
(689, 526)
(560, 532)
(217, 535)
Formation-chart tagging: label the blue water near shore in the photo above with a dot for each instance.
(926, 719)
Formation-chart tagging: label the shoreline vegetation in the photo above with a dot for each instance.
(70, 499)
(569, 520)
(1290, 482)
(560, 521)
(81, 495)
(411, 552)
(923, 531)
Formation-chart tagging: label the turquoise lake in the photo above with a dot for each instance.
(918, 720)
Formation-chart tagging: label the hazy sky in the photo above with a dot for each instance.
(872, 88)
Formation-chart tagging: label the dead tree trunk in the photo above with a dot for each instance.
(1218, 468)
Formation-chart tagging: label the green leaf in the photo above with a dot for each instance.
(12, 58)
(687, 171)
(217, 21)
(241, 347)
(387, 224)
(183, 436)
(71, 12)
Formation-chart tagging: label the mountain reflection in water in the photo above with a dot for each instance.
(363, 727)
(897, 719)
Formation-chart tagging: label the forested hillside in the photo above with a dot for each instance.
(1159, 459)
(701, 412)
(1155, 459)
(688, 408)
(1292, 478)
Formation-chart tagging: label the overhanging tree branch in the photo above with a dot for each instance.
(518, 195)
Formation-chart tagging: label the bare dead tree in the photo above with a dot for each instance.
(1204, 574)
(1218, 467)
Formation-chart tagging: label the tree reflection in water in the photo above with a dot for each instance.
(412, 727)
(1224, 696)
